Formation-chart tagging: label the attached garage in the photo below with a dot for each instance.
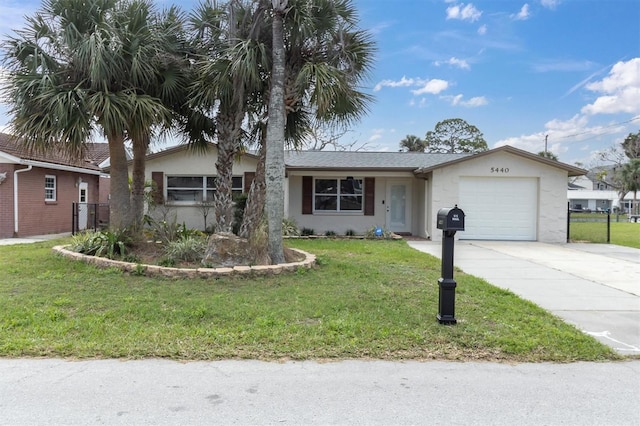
(505, 193)
(499, 208)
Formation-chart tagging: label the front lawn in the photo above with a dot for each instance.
(367, 299)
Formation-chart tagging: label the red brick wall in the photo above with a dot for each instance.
(6, 202)
(37, 216)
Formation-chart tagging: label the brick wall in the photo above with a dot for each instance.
(37, 216)
(6, 202)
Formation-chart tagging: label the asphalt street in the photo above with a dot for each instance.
(161, 392)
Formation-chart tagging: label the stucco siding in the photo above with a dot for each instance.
(551, 197)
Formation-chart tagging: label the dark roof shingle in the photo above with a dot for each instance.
(94, 154)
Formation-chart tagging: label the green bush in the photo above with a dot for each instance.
(330, 233)
(307, 231)
(376, 232)
(189, 249)
(109, 244)
(350, 233)
(290, 228)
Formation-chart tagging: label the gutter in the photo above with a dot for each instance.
(15, 196)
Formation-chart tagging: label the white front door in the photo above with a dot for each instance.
(83, 208)
(399, 205)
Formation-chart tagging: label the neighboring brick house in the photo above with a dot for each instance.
(37, 190)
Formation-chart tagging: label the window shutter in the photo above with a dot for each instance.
(158, 191)
(307, 194)
(369, 196)
(248, 180)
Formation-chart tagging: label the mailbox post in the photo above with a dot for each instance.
(450, 220)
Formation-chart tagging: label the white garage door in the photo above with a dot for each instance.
(499, 208)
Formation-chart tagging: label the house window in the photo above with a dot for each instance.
(195, 189)
(338, 195)
(49, 188)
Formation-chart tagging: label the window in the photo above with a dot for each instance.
(338, 195)
(195, 189)
(49, 188)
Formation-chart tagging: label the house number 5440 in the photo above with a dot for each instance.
(499, 170)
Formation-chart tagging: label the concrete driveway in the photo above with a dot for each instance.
(595, 287)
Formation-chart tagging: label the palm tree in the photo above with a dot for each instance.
(325, 60)
(412, 143)
(630, 177)
(78, 67)
(227, 73)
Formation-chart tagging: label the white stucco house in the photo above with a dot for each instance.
(506, 193)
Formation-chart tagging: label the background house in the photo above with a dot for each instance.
(594, 192)
(37, 190)
(506, 193)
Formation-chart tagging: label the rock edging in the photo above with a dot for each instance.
(161, 271)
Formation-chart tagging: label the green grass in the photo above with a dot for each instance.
(622, 233)
(367, 299)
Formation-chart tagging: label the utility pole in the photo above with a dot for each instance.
(545, 144)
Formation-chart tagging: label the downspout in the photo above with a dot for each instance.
(15, 197)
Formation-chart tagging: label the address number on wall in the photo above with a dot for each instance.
(499, 170)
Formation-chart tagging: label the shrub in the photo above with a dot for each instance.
(350, 233)
(307, 231)
(109, 244)
(330, 233)
(189, 249)
(289, 228)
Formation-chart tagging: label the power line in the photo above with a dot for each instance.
(600, 128)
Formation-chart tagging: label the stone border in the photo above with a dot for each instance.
(161, 271)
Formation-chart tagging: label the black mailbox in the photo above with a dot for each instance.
(451, 219)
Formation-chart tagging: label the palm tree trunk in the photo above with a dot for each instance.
(137, 181)
(254, 209)
(274, 162)
(229, 134)
(119, 204)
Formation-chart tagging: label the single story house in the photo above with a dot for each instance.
(37, 191)
(506, 193)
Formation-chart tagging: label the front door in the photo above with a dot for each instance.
(83, 207)
(399, 206)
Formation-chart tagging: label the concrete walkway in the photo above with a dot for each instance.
(34, 239)
(596, 287)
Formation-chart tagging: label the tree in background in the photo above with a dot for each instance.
(548, 154)
(630, 178)
(455, 135)
(631, 145)
(412, 143)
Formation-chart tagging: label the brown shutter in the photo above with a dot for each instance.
(307, 194)
(248, 179)
(369, 196)
(158, 188)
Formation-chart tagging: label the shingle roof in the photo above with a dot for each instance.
(368, 160)
(94, 154)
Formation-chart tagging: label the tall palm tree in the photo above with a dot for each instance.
(76, 68)
(228, 72)
(326, 58)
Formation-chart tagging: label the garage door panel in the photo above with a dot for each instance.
(499, 208)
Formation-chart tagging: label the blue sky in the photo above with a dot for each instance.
(517, 70)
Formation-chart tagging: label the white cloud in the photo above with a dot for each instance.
(474, 102)
(459, 63)
(403, 82)
(550, 4)
(482, 30)
(433, 87)
(619, 91)
(464, 13)
(523, 15)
